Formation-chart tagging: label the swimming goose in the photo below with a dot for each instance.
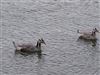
(30, 48)
(91, 36)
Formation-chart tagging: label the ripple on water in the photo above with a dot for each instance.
(57, 23)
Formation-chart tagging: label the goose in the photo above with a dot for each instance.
(91, 36)
(30, 48)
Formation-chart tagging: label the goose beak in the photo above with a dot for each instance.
(44, 43)
(98, 31)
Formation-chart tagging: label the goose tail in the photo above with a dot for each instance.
(14, 45)
(78, 31)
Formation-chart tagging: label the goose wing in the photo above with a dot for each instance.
(89, 33)
(26, 45)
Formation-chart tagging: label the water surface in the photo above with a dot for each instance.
(57, 23)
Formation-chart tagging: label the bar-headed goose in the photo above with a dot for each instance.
(91, 36)
(30, 48)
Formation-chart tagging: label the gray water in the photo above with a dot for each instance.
(25, 21)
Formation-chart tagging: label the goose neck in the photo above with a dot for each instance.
(38, 45)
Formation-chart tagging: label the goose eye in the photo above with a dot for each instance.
(42, 40)
(96, 30)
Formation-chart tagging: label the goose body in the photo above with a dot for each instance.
(87, 37)
(29, 48)
(91, 36)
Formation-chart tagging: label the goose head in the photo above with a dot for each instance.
(95, 30)
(41, 41)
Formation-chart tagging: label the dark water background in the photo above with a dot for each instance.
(56, 22)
